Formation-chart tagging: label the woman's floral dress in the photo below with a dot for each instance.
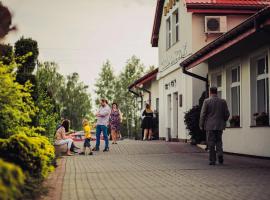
(115, 120)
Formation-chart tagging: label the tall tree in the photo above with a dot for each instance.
(133, 70)
(49, 84)
(76, 101)
(105, 85)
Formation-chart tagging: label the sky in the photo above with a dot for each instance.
(80, 35)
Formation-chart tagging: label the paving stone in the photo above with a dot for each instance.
(159, 170)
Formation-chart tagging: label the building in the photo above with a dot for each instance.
(182, 27)
(146, 90)
(238, 64)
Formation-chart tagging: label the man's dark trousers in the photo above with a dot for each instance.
(214, 140)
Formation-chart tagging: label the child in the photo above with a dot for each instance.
(87, 135)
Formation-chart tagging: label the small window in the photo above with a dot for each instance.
(176, 26)
(169, 32)
(180, 100)
(157, 105)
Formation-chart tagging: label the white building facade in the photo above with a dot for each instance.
(179, 31)
(238, 65)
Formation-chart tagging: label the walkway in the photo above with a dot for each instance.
(160, 170)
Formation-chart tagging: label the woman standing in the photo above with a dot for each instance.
(115, 120)
(147, 123)
(62, 138)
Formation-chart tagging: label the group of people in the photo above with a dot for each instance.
(213, 118)
(106, 118)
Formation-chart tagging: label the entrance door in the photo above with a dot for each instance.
(175, 115)
(169, 116)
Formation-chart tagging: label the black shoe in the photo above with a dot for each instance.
(81, 153)
(91, 153)
(220, 160)
(95, 149)
(106, 149)
(212, 163)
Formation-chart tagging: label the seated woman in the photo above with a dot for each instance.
(62, 138)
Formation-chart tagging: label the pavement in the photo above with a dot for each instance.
(160, 170)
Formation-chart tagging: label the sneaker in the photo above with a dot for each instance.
(81, 153)
(106, 149)
(220, 160)
(90, 154)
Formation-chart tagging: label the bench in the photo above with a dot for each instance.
(60, 149)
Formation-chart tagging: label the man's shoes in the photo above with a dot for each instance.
(212, 163)
(91, 153)
(106, 149)
(220, 160)
(81, 153)
(95, 149)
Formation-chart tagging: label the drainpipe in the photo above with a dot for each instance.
(205, 79)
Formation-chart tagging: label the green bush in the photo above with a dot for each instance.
(11, 181)
(34, 154)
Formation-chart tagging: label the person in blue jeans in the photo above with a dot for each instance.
(102, 116)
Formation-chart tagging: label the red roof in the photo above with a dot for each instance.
(210, 6)
(229, 2)
(146, 78)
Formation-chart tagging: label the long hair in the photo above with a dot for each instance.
(65, 124)
(148, 108)
(115, 105)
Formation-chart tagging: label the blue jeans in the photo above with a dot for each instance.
(104, 130)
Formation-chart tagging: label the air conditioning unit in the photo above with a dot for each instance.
(215, 24)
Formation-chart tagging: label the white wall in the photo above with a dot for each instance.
(245, 140)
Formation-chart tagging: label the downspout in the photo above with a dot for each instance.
(205, 79)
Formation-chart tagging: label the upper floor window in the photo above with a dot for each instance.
(176, 26)
(172, 29)
(169, 32)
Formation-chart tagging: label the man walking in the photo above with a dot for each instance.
(103, 116)
(213, 118)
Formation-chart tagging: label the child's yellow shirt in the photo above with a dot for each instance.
(87, 131)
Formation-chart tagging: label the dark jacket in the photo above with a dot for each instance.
(214, 114)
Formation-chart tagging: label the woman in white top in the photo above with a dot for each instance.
(62, 138)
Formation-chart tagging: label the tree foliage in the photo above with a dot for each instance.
(105, 85)
(76, 100)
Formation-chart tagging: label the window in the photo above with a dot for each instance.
(262, 85)
(216, 81)
(176, 26)
(157, 105)
(219, 85)
(235, 91)
(169, 33)
(260, 90)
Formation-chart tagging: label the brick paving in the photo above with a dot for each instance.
(160, 170)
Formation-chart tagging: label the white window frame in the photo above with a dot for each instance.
(236, 84)
(168, 32)
(264, 76)
(176, 26)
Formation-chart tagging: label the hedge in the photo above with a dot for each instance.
(11, 181)
(34, 154)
